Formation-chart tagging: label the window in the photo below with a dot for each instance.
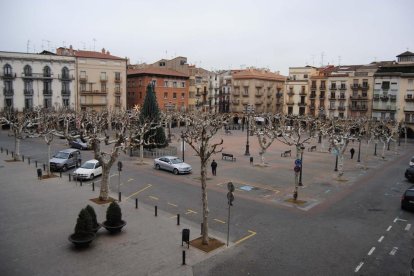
(161, 63)
(27, 71)
(65, 87)
(47, 87)
(341, 115)
(154, 83)
(174, 84)
(305, 76)
(103, 87)
(28, 103)
(28, 85)
(410, 84)
(117, 76)
(246, 91)
(385, 85)
(8, 102)
(65, 73)
(365, 83)
(182, 96)
(165, 83)
(65, 102)
(117, 88)
(83, 74)
(103, 76)
(182, 84)
(46, 71)
(117, 100)
(333, 85)
(174, 95)
(165, 95)
(8, 70)
(82, 87)
(47, 103)
(332, 104)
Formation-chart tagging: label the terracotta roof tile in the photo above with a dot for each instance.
(257, 74)
(92, 54)
(156, 71)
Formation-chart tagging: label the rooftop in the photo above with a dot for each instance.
(156, 71)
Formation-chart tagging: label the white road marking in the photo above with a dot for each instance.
(389, 228)
(393, 251)
(359, 266)
(396, 219)
(407, 227)
(380, 239)
(327, 191)
(371, 251)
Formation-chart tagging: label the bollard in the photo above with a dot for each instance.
(156, 210)
(93, 186)
(136, 203)
(12, 153)
(119, 196)
(1, 149)
(69, 178)
(36, 163)
(178, 219)
(28, 160)
(7, 151)
(183, 257)
(44, 167)
(60, 174)
(22, 158)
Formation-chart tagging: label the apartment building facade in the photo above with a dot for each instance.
(100, 79)
(42, 80)
(296, 98)
(256, 88)
(171, 88)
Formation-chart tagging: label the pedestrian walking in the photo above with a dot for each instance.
(214, 167)
(352, 152)
(251, 160)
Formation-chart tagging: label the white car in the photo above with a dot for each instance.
(88, 170)
(173, 164)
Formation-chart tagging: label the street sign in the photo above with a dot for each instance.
(230, 187)
(297, 169)
(230, 197)
(298, 162)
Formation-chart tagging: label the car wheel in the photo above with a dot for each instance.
(157, 166)
(64, 168)
(91, 177)
(175, 171)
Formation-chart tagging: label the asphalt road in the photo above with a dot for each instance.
(360, 230)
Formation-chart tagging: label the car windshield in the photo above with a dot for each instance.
(62, 155)
(176, 161)
(409, 193)
(88, 165)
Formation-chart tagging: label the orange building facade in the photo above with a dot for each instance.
(171, 88)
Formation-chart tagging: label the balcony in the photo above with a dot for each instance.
(312, 107)
(364, 86)
(409, 99)
(94, 92)
(332, 97)
(341, 108)
(245, 102)
(279, 95)
(342, 87)
(104, 78)
(312, 96)
(291, 93)
(259, 84)
(94, 101)
(358, 107)
(379, 106)
(342, 98)
(37, 76)
(65, 92)
(118, 90)
(118, 79)
(65, 77)
(258, 93)
(236, 93)
(8, 92)
(245, 94)
(303, 93)
(393, 98)
(332, 107)
(322, 87)
(384, 98)
(290, 103)
(354, 86)
(47, 92)
(332, 87)
(83, 78)
(28, 92)
(322, 97)
(302, 104)
(8, 76)
(313, 87)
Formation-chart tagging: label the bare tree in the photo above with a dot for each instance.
(19, 123)
(199, 133)
(386, 131)
(266, 133)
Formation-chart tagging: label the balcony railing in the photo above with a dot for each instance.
(8, 92)
(312, 106)
(409, 99)
(364, 86)
(245, 94)
(312, 96)
(378, 106)
(384, 98)
(279, 95)
(358, 107)
(342, 87)
(103, 78)
(118, 90)
(332, 87)
(302, 104)
(37, 76)
(8, 76)
(290, 103)
(332, 107)
(83, 78)
(322, 97)
(290, 93)
(258, 93)
(303, 93)
(66, 77)
(341, 98)
(65, 92)
(118, 80)
(47, 92)
(322, 87)
(92, 92)
(28, 92)
(331, 97)
(313, 86)
(354, 86)
(341, 108)
(393, 98)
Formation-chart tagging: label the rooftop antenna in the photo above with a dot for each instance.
(322, 55)
(94, 41)
(313, 60)
(83, 43)
(27, 46)
(48, 45)
(64, 44)
(339, 60)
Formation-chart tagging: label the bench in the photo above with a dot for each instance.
(312, 148)
(226, 156)
(286, 153)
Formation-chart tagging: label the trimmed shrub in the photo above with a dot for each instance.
(92, 213)
(83, 224)
(113, 214)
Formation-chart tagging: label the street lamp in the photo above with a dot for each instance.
(336, 163)
(248, 110)
(182, 147)
(302, 148)
(359, 151)
(375, 149)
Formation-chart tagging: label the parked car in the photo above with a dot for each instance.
(409, 173)
(411, 162)
(79, 144)
(173, 164)
(65, 159)
(407, 199)
(88, 170)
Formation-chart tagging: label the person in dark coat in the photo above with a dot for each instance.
(352, 153)
(214, 167)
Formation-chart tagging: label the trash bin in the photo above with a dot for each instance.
(185, 237)
(39, 173)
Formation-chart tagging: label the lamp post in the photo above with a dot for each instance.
(375, 149)
(336, 163)
(182, 147)
(248, 110)
(169, 106)
(302, 148)
(359, 151)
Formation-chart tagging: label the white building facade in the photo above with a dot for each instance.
(37, 80)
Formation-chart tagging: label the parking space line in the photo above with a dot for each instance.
(218, 220)
(189, 211)
(389, 228)
(143, 189)
(380, 239)
(407, 228)
(153, 197)
(393, 251)
(174, 216)
(359, 266)
(175, 205)
(129, 180)
(252, 233)
(371, 251)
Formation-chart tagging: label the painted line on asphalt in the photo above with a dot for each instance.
(129, 180)
(407, 228)
(240, 190)
(359, 266)
(174, 216)
(389, 228)
(394, 250)
(143, 189)
(218, 220)
(113, 175)
(171, 204)
(327, 191)
(380, 239)
(252, 233)
(189, 211)
(371, 251)
(153, 197)
(398, 219)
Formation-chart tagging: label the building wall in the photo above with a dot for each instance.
(98, 86)
(384, 103)
(297, 90)
(33, 94)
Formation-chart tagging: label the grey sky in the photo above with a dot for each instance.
(216, 34)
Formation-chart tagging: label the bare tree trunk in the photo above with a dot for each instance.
(16, 148)
(104, 191)
(141, 153)
(383, 150)
(205, 203)
(340, 164)
(48, 162)
(261, 153)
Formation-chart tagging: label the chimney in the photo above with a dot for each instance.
(108, 53)
(71, 50)
(103, 50)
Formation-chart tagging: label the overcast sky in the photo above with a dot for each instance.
(216, 34)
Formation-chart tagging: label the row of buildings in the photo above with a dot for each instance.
(83, 80)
